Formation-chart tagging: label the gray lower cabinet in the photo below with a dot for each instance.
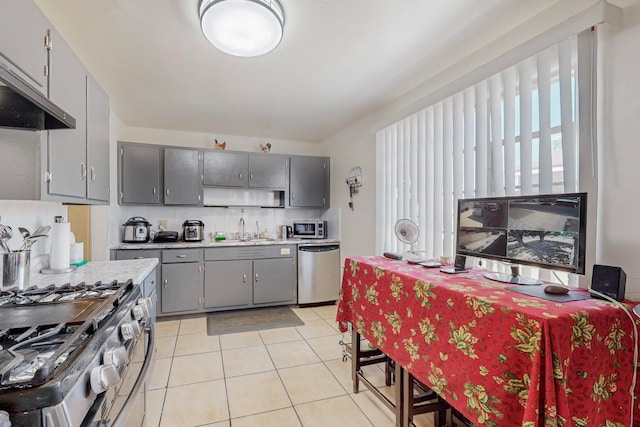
(230, 277)
(250, 276)
(181, 288)
(227, 284)
(139, 172)
(273, 281)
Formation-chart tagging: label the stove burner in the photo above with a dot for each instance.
(40, 328)
(65, 292)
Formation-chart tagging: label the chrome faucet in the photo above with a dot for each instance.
(242, 224)
(257, 230)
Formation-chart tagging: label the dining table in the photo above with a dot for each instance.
(500, 354)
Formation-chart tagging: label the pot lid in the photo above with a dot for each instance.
(137, 220)
(192, 222)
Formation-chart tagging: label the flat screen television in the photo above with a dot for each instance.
(547, 231)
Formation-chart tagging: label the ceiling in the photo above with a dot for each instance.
(338, 61)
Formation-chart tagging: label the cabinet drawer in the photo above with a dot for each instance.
(181, 255)
(137, 254)
(249, 252)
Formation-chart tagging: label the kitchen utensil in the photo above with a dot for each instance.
(25, 233)
(43, 229)
(15, 270)
(5, 234)
(29, 241)
(136, 230)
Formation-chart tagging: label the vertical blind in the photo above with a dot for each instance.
(513, 133)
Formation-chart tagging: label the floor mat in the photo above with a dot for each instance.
(231, 322)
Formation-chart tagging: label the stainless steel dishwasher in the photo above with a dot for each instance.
(318, 272)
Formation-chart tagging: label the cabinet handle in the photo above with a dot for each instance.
(256, 278)
(92, 173)
(165, 283)
(181, 256)
(137, 257)
(155, 190)
(167, 191)
(244, 278)
(251, 176)
(240, 176)
(83, 171)
(201, 268)
(293, 196)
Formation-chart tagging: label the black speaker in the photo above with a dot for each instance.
(460, 262)
(608, 280)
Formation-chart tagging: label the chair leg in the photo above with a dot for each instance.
(355, 359)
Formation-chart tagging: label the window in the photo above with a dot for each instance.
(512, 133)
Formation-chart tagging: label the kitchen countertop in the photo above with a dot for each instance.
(223, 243)
(105, 271)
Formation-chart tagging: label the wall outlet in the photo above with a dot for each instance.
(163, 224)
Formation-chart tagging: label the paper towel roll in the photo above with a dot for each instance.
(60, 239)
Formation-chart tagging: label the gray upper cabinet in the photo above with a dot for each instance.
(67, 148)
(225, 169)
(268, 171)
(139, 173)
(182, 176)
(97, 142)
(309, 182)
(23, 28)
(71, 165)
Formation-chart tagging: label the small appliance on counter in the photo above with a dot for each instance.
(193, 230)
(286, 232)
(166, 236)
(310, 229)
(136, 230)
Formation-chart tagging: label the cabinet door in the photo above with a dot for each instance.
(268, 171)
(227, 284)
(139, 173)
(307, 182)
(225, 169)
(182, 172)
(273, 281)
(23, 28)
(181, 287)
(67, 148)
(97, 141)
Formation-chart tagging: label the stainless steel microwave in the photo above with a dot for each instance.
(310, 229)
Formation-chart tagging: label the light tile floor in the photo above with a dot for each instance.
(274, 377)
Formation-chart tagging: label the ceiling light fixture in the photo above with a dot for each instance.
(242, 27)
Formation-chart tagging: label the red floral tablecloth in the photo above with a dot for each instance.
(500, 357)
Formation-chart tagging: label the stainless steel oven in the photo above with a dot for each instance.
(124, 403)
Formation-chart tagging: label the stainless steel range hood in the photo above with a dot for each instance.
(23, 107)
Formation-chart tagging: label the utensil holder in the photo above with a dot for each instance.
(15, 269)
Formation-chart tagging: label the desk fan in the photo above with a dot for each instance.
(407, 232)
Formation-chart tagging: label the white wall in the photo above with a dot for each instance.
(618, 242)
(619, 149)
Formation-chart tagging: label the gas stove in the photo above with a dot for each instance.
(65, 351)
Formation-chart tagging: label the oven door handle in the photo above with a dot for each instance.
(121, 418)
